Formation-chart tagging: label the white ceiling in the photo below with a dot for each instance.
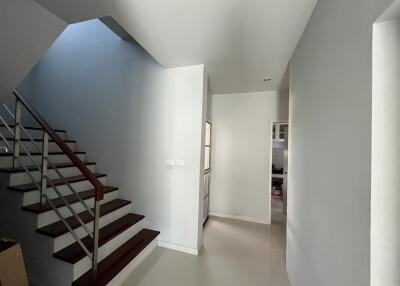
(241, 42)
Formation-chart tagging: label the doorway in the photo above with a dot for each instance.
(207, 172)
(278, 171)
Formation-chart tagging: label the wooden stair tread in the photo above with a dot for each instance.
(115, 232)
(49, 167)
(109, 267)
(71, 199)
(58, 228)
(57, 182)
(39, 140)
(6, 244)
(73, 253)
(38, 153)
(33, 128)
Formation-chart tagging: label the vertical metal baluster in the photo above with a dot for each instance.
(45, 152)
(17, 132)
(96, 233)
(45, 179)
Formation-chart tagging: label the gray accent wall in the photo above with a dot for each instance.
(131, 115)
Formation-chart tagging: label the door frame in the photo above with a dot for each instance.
(269, 192)
(207, 172)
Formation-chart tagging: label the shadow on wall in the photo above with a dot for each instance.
(209, 101)
(283, 105)
(284, 84)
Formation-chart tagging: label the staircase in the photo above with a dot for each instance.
(73, 228)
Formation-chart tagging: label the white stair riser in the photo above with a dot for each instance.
(85, 264)
(23, 178)
(6, 161)
(51, 216)
(128, 269)
(53, 147)
(67, 238)
(35, 134)
(33, 197)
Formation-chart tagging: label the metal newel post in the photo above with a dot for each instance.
(45, 152)
(17, 132)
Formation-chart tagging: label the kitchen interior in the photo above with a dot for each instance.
(279, 167)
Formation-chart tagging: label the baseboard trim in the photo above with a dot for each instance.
(242, 218)
(179, 248)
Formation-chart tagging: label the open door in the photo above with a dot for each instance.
(278, 175)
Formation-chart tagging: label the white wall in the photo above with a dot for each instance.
(130, 115)
(385, 200)
(240, 152)
(26, 32)
(329, 196)
(183, 124)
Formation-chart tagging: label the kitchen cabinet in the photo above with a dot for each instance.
(278, 131)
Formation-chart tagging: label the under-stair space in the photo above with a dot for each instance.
(72, 226)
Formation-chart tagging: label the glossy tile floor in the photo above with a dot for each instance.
(235, 253)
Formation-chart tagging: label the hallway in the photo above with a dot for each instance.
(235, 253)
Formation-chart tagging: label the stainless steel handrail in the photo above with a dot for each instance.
(53, 166)
(46, 180)
(73, 233)
(70, 229)
(89, 175)
(51, 183)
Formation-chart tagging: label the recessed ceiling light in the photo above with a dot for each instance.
(266, 79)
